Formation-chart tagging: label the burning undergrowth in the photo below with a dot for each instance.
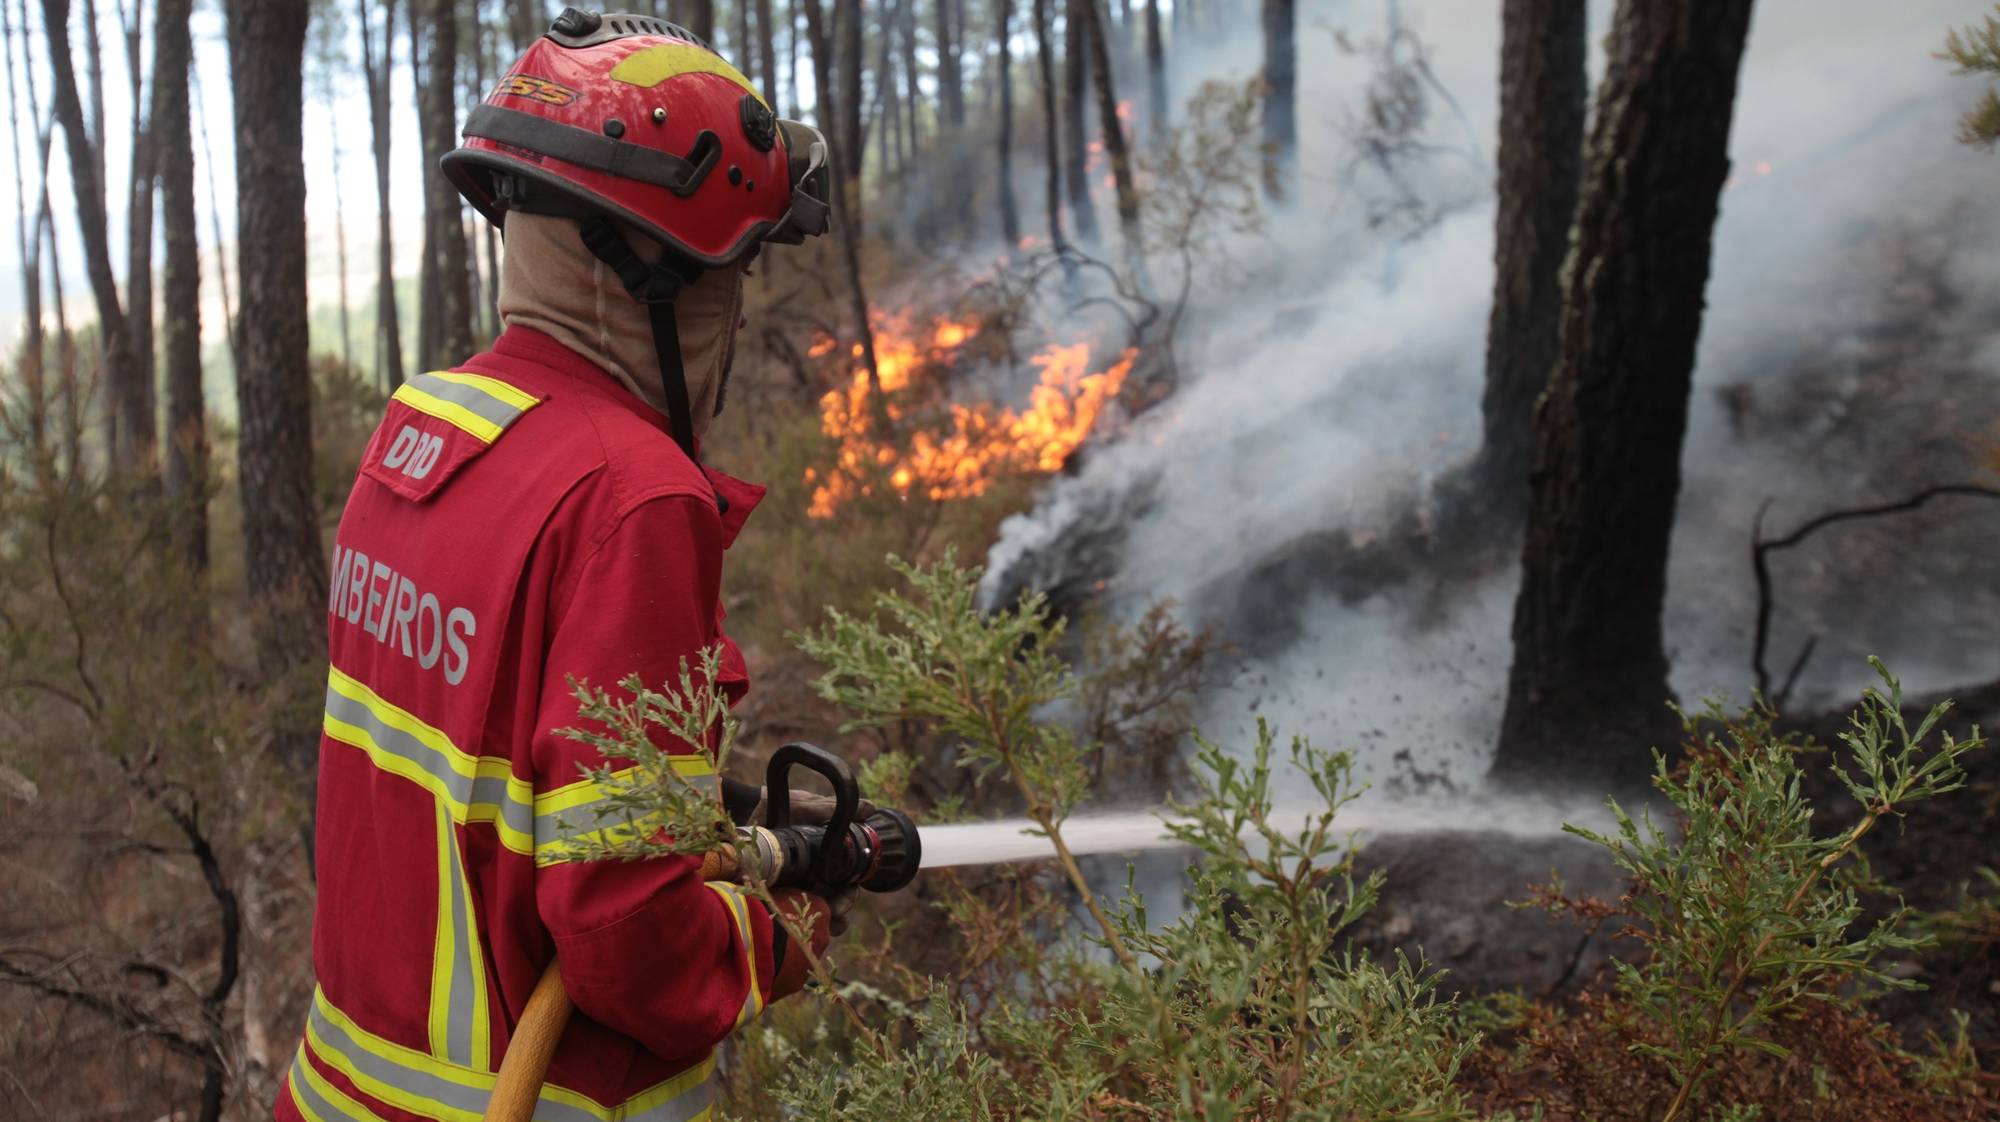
(916, 436)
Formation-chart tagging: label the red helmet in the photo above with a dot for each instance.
(633, 118)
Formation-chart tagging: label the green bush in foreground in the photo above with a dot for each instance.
(1744, 1000)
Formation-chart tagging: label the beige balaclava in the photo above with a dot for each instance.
(549, 281)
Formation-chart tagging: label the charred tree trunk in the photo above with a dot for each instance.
(375, 71)
(448, 257)
(1586, 695)
(1113, 129)
(526, 20)
(126, 401)
(850, 241)
(847, 102)
(1076, 68)
(1051, 133)
(951, 82)
(701, 19)
(180, 328)
(1542, 90)
(285, 567)
(28, 234)
(139, 254)
(1156, 71)
(767, 50)
(912, 91)
(1281, 81)
(1010, 215)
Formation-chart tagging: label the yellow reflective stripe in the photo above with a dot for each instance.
(482, 407)
(408, 1079)
(450, 412)
(519, 400)
(581, 811)
(738, 903)
(473, 788)
(460, 1031)
(650, 66)
(318, 1099)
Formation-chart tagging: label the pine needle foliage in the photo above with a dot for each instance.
(1976, 50)
(1750, 913)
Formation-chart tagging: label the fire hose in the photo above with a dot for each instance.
(880, 853)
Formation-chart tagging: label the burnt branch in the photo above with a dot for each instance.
(119, 1013)
(1761, 548)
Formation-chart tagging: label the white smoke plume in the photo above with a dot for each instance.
(1847, 357)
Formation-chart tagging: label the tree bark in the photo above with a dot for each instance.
(912, 90)
(1010, 215)
(1156, 71)
(526, 20)
(792, 57)
(701, 20)
(1542, 91)
(28, 232)
(285, 568)
(1076, 69)
(950, 83)
(180, 328)
(1051, 132)
(447, 258)
(850, 241)
(141, 413)
(126, 405)
(1112, 129)
(375, 72)
(1586, 694)
(847, 103)
(1281, 80)
(767, 49)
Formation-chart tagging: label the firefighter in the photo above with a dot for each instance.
(536, 513)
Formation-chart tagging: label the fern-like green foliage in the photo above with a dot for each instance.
(1749, 911)
(1976, 50)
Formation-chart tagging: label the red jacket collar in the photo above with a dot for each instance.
(738, 498)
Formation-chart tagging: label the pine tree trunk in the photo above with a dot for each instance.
(1586, 695)
(1010, 216)
(912, 91)
(701, 20)
(850, 241)
(1156, 71)
(951, 91)
(526, 20)
(143, 411)
(125, 404)
(375, 70)
(1281, 80)
(286, 570)
(449, 256)
(1076, 69)
(792, 57)
(28, 234)
(767, 50)
(1542, 91)
(180, 327)
(1112, 129)
(847, 16)
(1051, 133)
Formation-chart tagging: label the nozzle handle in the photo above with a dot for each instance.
(846, 797)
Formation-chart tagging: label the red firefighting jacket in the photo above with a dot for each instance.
(517, 521)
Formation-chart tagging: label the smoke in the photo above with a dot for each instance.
(1846, 358)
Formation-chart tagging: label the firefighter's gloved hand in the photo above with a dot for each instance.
(807, 808)
(793, 969)
(812, 809)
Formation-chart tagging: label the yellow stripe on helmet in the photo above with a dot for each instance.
(649, 66)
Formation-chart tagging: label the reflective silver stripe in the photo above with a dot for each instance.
(465, 1013)
(311, 1103)
(560, 827)
(429, 1093)
(463, 791)
(472, 400)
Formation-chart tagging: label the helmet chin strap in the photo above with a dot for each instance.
(656, 285)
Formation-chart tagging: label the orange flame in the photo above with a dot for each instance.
(971, 446)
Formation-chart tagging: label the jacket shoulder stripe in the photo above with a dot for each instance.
(480, 406)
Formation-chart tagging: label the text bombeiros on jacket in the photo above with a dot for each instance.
(391, 608)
